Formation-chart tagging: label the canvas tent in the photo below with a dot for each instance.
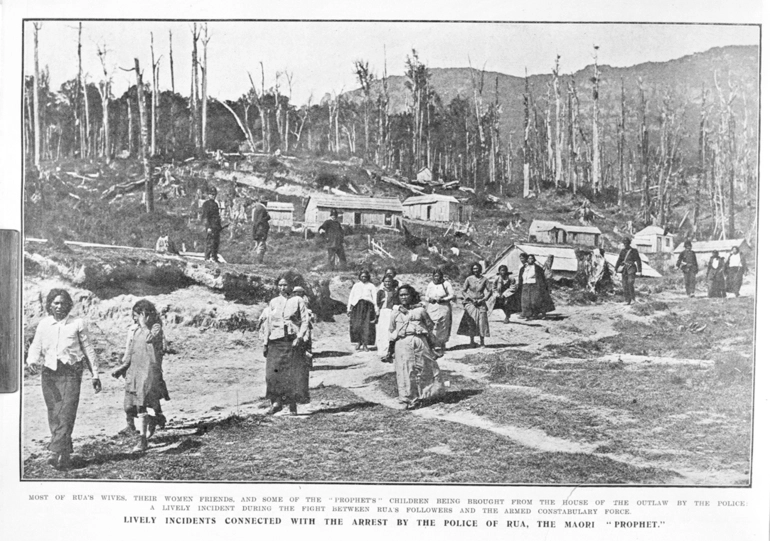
(565, 260)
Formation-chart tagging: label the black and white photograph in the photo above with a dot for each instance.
(393, 256)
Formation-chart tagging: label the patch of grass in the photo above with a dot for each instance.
(358, 442)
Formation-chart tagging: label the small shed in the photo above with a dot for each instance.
(436, 208)
(703, 249)
(585, 235)
(281, 214)
(543, 231)
(354, 210)
(653, 239)
(425, 175)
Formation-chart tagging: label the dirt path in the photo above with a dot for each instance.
(217, 374)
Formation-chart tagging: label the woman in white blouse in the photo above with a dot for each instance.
(438, 303)
(363, 311)
(61, 342)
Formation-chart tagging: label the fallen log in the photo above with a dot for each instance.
(122, 189)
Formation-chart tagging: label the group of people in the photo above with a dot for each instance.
(722, 275)
(330, 230)
(63, 350)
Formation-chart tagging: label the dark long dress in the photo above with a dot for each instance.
(474, 321)
(287, 371)
(535, 298)
(509, 303)
(363, 314)
(715, 277)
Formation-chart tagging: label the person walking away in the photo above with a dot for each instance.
(628, 264)
(505, 290)
(476, 292)
(210, 215)
(143, 369)
(688, 263)
(418, 375)
(332, 231)
(260, 229)
(362, 311)
(387, 298)
(287, 371)
(439, 295)
(736, 267)
(64, 348)
(715, 275)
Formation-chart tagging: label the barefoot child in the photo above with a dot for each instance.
(143, 369)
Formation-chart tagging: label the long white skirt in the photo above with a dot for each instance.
(383, 332)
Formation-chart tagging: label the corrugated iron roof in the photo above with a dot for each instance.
(581, 229)
(353, 202)
(277, 205)
(542, 225)
(711, 245)
(428, 199)
(652, 230)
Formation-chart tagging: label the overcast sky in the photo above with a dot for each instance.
(320, 55)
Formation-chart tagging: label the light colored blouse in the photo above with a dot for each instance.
(439, 292)
(408, 322)
(286, 316)
(363, 291)
(529, 276)
(735, 260)
(66, 340)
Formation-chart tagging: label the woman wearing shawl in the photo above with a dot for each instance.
(505, 293)
(438, 298)
(287, 371)
(476, 292)
(535, 298)
(362, 310)
(417, 372)
(736, 266)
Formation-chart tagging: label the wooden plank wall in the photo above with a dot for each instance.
(9, 311)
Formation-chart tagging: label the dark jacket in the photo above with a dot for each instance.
(210, 215)
(687, 261)
(333, 232)
(628, 258)
(261, 222)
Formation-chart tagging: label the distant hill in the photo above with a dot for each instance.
(685, 77)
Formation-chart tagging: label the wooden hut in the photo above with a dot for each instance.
(436, 208)
(281, 214)
(354, 210)
(653, 239)
(549, 232)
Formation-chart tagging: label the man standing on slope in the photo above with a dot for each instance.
(628, 264)
(261, 219)
(332, 231)
(689, 265)
(210, 216)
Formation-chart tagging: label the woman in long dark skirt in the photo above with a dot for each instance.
(288, 369)
(535, 299)
(363, 311)
(505, 292)
(736, 266)
(715, 275)
(476, 293)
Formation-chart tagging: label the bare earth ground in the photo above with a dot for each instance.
(548, 401)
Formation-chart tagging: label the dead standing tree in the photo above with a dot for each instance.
(622, 146)
(596, 165)
(643, 167)
(204, 91)
(155, 81)
(194, 120)
(558, 141)
(724, 162)
(148, 195)
(105, 88)
(36, 97)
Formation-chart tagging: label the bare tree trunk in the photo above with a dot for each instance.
(78, 103)
(153, 116)
(194, 113)
(36, 98)
(104, 91)
(148, 195)
(559, 136)
(173, 90)
(204, 89)
(622, 146)
(644, 153)
(527, 129)
(130, 129)
(246, 133)
(596, 158)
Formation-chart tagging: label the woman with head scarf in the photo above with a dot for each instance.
(504, 288)
(287, 371)
(61, 344)
(363, 310)
(417, 372)
(476, 293)
(736, 266)
(143, 369)
(438, 303)
(387, 298)
(715, 275)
